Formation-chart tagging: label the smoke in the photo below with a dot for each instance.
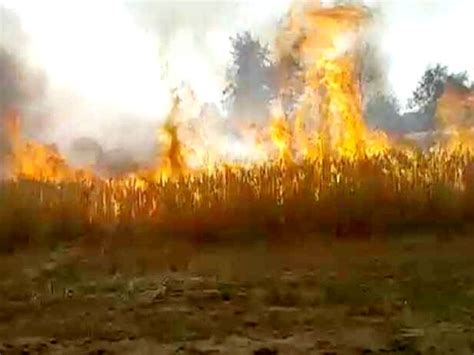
(111, 65)
(382, 108)
(129, 146)
(195, 39)
(22, 88)
(88, 152)
(197, 43)
(12, 88)
(11, 96)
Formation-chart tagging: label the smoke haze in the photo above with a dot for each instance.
(104, 71)
(111, 65)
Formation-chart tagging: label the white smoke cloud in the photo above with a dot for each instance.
(416, 34)
(109, 62)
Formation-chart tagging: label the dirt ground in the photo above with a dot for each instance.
(404, 295)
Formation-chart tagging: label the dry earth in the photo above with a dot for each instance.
(401, 295)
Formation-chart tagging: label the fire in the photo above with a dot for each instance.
(325, 122)
(324, 41)
(315, 164)
(171, 163)
(31, 160)
(327, 118)
(455, 115)
(281, 135)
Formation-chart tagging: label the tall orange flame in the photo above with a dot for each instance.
(323, 40)
(171, 162)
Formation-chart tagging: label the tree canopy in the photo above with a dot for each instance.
(251, 79)
(432, 85)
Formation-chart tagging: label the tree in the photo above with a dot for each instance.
(429, 89)
(252, 79)
(432, 85)
(382, 112)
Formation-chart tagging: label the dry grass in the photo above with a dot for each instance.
(361, 198)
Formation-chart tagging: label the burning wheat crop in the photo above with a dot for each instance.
(314, 166)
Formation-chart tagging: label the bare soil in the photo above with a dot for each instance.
(398, 295)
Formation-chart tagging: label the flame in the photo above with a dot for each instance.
(35, 161)
(280, 134)
(324, 41)
(305, 157)
(326, 120)
(171, 163)
(455, 116)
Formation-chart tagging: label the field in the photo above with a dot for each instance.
(409, 294)
(307, 233)
(337, 256)
(363, 198)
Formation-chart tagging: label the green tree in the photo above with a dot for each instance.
(430, 88)
(432, 84)
(251, 78)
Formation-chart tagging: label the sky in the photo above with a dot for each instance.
(421, 33)
(109, 59)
